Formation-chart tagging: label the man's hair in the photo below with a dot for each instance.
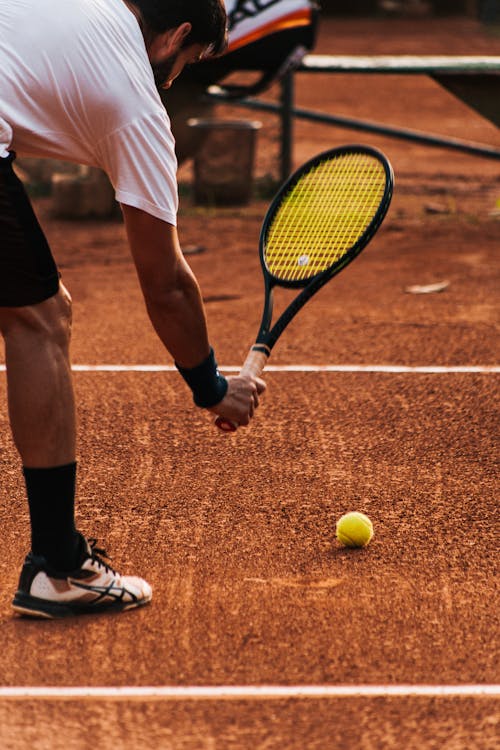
(207, 18)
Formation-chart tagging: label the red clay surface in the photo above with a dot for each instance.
(236, 534)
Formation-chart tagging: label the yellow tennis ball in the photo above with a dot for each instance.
(354, 529)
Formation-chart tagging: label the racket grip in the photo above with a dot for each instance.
(255, 362)
(253, 367)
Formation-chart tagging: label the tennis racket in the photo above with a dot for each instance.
(318, 222)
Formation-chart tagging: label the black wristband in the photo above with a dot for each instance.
(208, 385)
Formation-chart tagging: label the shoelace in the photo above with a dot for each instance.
(96, 554)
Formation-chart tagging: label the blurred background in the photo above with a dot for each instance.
(262, 52)
(487, 9)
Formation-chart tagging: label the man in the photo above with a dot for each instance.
(79, 83)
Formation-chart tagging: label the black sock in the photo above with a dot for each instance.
(51, 500)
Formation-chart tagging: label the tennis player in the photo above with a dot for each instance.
(79, 82)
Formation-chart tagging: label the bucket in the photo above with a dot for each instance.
(224, 163)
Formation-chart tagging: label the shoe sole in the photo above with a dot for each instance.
(31, 606)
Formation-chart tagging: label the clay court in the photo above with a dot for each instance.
(378, 400)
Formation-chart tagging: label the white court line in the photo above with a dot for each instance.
(249, 692)
(419, 369)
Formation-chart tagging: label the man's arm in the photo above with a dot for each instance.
(175, 307)
(171, 292)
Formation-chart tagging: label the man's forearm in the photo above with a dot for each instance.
(172, 295)
(178, 318)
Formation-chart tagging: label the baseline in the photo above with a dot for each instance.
(390, 369)
(248, 692)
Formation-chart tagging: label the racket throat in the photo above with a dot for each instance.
(267, 315)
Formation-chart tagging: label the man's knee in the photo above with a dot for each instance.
(50, 319)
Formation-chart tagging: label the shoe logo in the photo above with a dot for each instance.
(114, 592)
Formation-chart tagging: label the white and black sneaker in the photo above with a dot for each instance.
(92, 587)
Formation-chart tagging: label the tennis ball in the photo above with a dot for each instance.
(354, 529)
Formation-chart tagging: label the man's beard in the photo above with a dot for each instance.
(162, 70)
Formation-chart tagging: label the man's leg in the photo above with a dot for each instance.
(42, 416)
(39, 380)
(63, 574)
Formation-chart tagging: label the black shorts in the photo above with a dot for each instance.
(28, 273)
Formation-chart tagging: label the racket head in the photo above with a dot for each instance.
(324, 215)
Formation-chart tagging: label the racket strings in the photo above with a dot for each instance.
(323, 215)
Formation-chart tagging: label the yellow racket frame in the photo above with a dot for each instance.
(323, 213)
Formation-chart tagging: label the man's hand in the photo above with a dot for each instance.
(241, 399)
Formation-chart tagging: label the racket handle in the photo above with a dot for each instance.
(255, 362)
(253, 366)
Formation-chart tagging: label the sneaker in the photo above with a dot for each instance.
(92, 587)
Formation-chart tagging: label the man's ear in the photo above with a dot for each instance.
(175, 38)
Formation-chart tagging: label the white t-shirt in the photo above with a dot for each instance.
(76, 84)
